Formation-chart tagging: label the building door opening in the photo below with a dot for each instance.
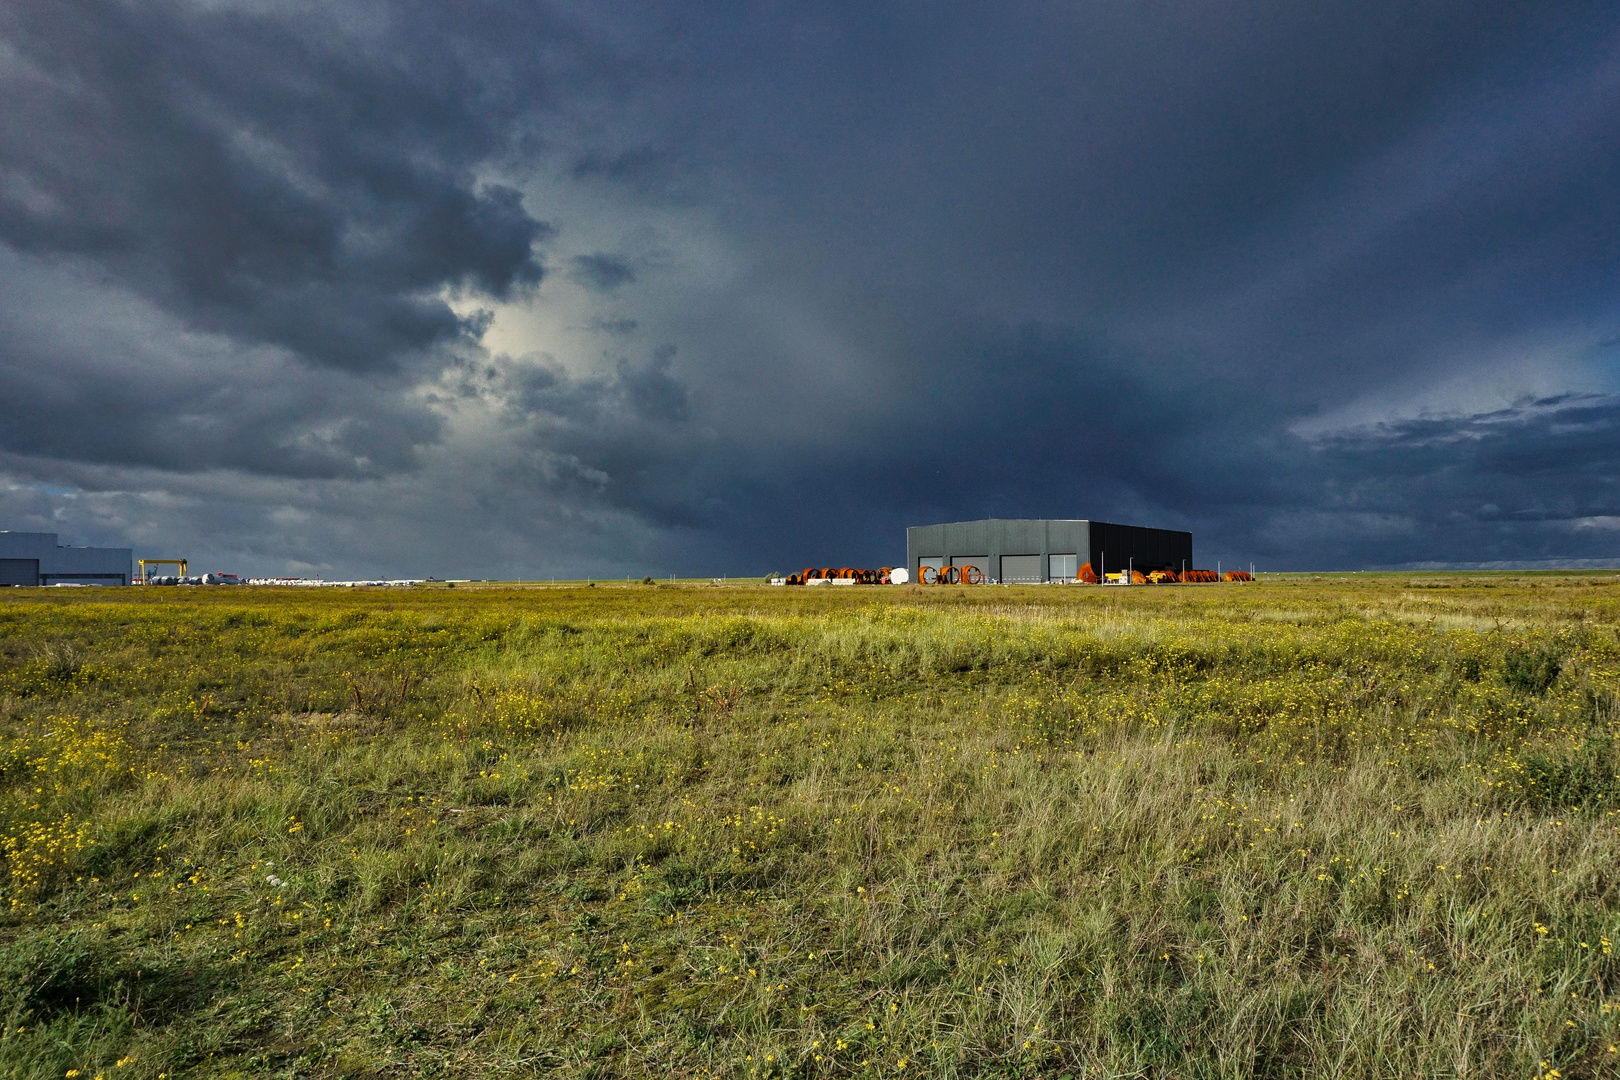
(1021, 570)
(980, 561)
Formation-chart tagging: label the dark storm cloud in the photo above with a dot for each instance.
(1502, 474)
(601, 272)
(303, 176)
(1327, 284)
(623, 440)
(87, 375)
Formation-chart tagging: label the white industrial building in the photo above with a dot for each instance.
(37, 559)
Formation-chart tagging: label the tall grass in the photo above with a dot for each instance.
(1305, 828)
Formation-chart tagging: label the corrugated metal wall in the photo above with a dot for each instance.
(1118, 546)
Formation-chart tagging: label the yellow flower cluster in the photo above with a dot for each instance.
(37, 851)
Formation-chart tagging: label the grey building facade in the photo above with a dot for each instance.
(1030, 550)
(37, 559)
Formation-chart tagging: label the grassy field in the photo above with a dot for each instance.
(1358, 826)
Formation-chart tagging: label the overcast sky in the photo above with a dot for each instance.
(529, 289)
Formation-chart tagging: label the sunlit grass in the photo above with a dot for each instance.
(1340, 827)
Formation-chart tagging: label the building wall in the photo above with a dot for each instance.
(1115, 547)
(39, 555)
(1018, 549)
(1004, 548)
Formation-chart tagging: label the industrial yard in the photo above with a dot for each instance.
(1351, 825)
(1020, 551)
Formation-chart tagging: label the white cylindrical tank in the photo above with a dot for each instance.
(899, 576)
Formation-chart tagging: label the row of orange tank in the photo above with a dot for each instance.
(1170, 577)
(879, 576)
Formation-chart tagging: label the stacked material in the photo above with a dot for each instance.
(844, 575)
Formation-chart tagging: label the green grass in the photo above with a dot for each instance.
(1349, 826)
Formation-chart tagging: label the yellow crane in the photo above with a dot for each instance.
(144, 563)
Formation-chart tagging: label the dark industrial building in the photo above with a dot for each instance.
(37, 559)
(1024, 550)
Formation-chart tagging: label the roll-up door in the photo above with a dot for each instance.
(1061, 567)
(981, 561)
(1021, 569)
